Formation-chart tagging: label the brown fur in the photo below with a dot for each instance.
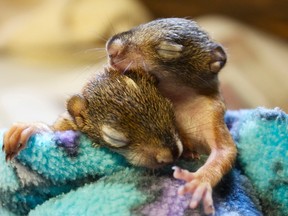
(186, 63)
(127, 105)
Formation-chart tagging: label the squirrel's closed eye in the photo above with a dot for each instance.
(169, 50)
(114, 137)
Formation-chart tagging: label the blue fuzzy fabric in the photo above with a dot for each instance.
(262, 140)
(62, 174)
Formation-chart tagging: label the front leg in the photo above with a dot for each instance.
(16, 137)
(201, 182)
(208, 127)
(200, 190)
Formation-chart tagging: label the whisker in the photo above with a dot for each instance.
(200, 115)
(201, 125)
(120, 61)
(204, 115)
(111, 25)
(90, 51)
(209, 85)
(202, 120)
(100, 57)
(101, 38)
(83, 73)
(205, 81)
(207, 139)
(196, 126)
(144, 66)
(98, 35)
(196, 130)
(128, 66)
(95, 49)
(138, 160)
(135, 158)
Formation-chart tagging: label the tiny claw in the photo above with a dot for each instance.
(195, 156)
(7, 158)
(19, 145)
(210, 210)
(181, 190)
(3, 147)
(193, 204)
(10, 156)
(176, 168)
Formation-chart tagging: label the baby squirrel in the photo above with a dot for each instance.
(186, 63)
(125, 113)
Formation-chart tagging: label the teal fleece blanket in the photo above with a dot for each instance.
(62, 174)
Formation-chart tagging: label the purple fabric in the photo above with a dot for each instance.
(169, 203)
(69, 140)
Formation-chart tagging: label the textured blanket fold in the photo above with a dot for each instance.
(62, 174)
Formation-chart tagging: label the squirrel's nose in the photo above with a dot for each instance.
(114, 47)
(164, 158)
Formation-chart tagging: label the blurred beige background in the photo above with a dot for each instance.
(49, 48)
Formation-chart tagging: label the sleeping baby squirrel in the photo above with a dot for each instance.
(124, 113)
(186, 62)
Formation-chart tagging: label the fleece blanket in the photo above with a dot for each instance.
(62, 174)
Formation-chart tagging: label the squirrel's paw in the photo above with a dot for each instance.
(15, 138)
(201, 191)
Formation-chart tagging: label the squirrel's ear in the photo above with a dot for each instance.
(218, 59)
(76, 105)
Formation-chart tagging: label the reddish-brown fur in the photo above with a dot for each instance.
(186, 63)
(118, 112)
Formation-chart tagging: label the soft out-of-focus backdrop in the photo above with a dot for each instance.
(49, 48)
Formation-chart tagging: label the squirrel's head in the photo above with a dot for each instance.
(129, 116)
(172, 47)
